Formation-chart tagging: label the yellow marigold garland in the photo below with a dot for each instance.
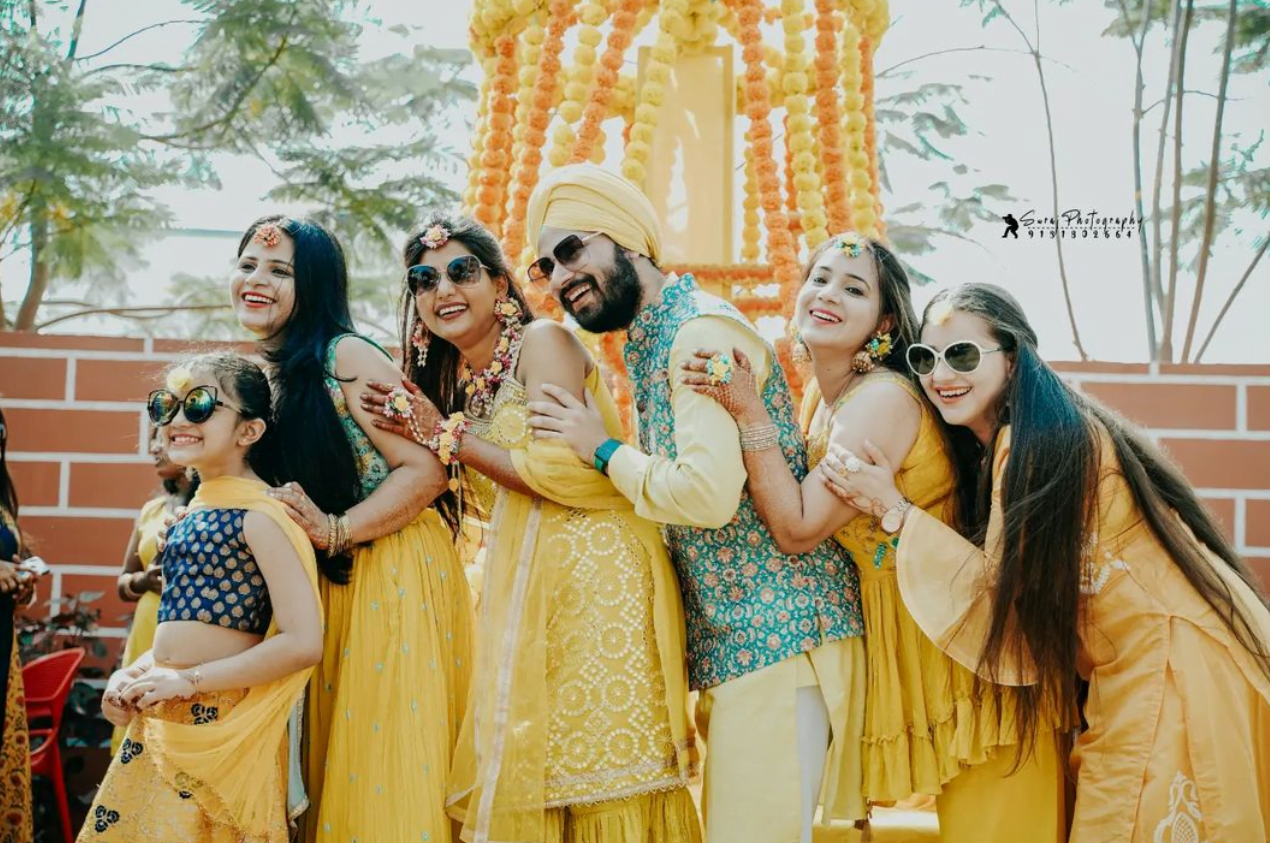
(597, 107)
(496, 157)
(799, 137)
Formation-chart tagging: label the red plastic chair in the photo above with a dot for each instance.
(47, 682)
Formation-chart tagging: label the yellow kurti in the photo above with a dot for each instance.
(923, 726)
(578, 726)
(145, 617)
(1177, 747)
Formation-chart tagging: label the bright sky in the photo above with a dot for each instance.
(1091, 94)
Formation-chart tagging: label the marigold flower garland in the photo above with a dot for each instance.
(750, 233)
(597, 108)
(577, 80)
(854, 120)
(799, 139)
(870, 136)
(829, 118)
(496, 157)
(537, 117)
(470, 200)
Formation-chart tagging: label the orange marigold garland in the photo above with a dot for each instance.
(829, 118)
(496, 157)
(478, 142)
(536, 120)
(597, 107)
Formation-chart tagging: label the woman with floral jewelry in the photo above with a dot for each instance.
(141, 580)
(205, 758)
(578, 727)
(928, 728)
(1082, 550)
(386, 701)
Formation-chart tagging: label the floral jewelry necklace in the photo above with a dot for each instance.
(481, 388)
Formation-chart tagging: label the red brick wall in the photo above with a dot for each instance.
(77, 426)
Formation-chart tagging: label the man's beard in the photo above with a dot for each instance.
(618, 298)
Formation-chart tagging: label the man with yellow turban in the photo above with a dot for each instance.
(774, 639)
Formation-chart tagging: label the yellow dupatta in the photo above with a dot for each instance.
(498, 777)
(231, 765)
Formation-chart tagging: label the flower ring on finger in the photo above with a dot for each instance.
(399, 404)
(719, 370)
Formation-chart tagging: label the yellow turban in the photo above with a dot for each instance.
(584, 197)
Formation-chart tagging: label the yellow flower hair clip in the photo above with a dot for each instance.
(719, 370)
(180, 379)
(851, 243)
(939, 312)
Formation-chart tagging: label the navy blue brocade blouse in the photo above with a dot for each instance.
(210, 574)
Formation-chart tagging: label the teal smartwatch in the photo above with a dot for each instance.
(604, 453)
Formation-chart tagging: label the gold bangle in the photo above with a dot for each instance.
(760, 438)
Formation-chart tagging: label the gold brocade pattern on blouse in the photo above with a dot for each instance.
(609, 733)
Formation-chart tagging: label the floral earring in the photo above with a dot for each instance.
(419, 339)
(874, 352)
(508, 311)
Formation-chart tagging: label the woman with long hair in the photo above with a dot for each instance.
(16, 590)
(205, 709)
(1083, 552)
(577, 730)
(927, 728)
(141, 580)
(386, 701)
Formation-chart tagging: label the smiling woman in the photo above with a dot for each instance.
(379, 512)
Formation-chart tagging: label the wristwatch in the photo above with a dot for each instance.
(603, 454)
(893, 518)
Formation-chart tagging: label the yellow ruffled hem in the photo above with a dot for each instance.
(661, 817)
(943, 727)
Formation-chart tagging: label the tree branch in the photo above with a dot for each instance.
(1157, 235)
(132, 312)
(1165, 99)
(159, 68)
(135, 34)
(1231, 298)
(1170, 300)
(1210, 201)
(234, 107)
(981, 48)
(1144, 248)
(76, 29)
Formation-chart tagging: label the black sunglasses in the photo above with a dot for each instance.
(569, 253)
(962, 357)
(463, 271)
(199, 404)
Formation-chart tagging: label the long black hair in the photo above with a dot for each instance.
(247, 386)
(1050, 492)
(439, 379)
(315, 450)
(895, 294)
(8, 492)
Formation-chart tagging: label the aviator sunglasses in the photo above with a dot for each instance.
(199, 404)
(463, 271)
(569, 253)
(963, 357)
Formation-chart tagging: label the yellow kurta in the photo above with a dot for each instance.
(578, 727)
(211, 768)
(145, 617)
(1177, 747)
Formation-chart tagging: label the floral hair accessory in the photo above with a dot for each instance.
(435, 237)
(851, 243)
(939, 312)
(268, 235)
(180, 379)
(398, 405)
(719, 370)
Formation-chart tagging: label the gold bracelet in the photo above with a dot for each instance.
(760, 438)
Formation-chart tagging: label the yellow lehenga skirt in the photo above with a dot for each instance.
(386, 702)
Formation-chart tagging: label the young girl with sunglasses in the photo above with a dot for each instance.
(1082, 551)
(577, 730)
(385, 703)
(205, 757)
(927, 728)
